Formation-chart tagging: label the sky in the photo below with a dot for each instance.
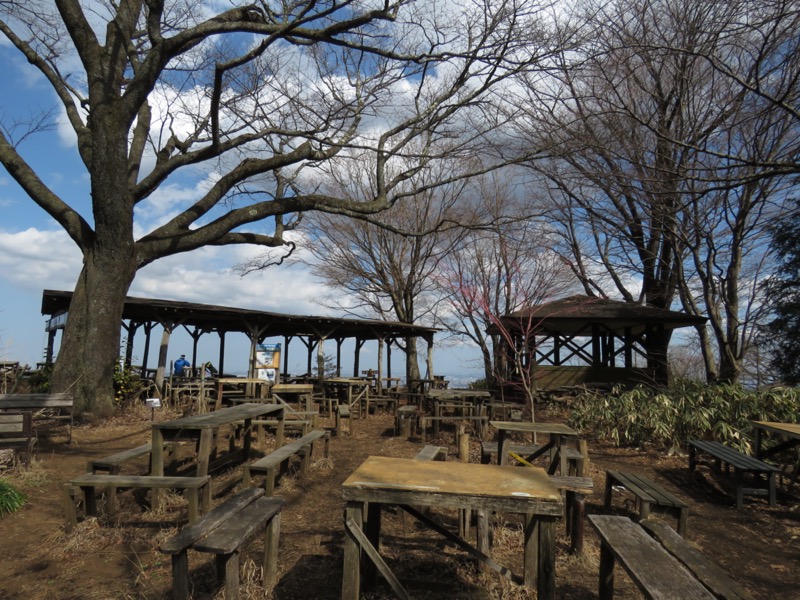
(36, 254)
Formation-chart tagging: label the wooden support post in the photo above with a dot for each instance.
(463, 444)
(351, 574)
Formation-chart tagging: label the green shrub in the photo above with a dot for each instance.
(127, 384)
(686, 410)
(11, 499)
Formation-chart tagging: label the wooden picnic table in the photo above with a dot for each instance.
(412, 483)
(204, 427)
(251, 384)
(299, 393)
(558, 434)
(354, 391)
(789, 432)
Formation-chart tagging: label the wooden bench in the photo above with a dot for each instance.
(276, 462)
(673, 570)
(575, 459)
(62, 404)
(16, 431)
(723, 458)
(430, 452)
(113, 464)
(342, 415)
(481, 423)
(650, 497)
(575, 490)
(193, 486)
(223, 532)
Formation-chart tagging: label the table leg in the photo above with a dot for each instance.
(546, 588)
(351, 575)
(156, 463)
(503, 444)
(157, 453)
(204, 452)
(373, 531)
(757, 443)
(248, 437)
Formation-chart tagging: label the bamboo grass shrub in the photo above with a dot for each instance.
(668, 417)
(11, 499)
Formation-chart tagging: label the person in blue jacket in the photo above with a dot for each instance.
(180, 365)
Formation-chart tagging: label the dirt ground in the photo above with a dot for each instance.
(758, 546)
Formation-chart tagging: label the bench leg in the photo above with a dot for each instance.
(683, 520)
(305, 458)
(180, 576)
(576, 526)
(192, 497)
(228, 568)
(772, 492)
(272, 536)
(738, 481)
(606, 587)
(644, 509)
(609, 490)
(246, 481)
(269, 485)
(111, 500)
(69, 508)
(89, 504)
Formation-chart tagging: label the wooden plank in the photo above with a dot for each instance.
(140, 481)
(376, 559)
(191, 533)
(432, 453)
(583, 485)
(238, 529)
(658, 574)
(463, 545)
(712, 576)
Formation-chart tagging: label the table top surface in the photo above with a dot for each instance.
(242, 380)
(791, 429)
(346, 381)
(297, 388)
(220, 417)
(453, 478)
(558, 428)
(458, 393)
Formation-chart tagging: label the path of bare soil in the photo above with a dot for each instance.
(758, 546)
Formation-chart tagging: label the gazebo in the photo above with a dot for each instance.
(581, 340)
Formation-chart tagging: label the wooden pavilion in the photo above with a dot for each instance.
(582, 340)
(201, 319)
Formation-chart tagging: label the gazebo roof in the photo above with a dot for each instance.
(212, 318)
(572, 315)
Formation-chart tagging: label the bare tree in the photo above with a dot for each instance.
(385, 269)
(156, 89)
(640, 136)
(498, 269)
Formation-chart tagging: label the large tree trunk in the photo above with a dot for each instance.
(412, 360)
(91, 342)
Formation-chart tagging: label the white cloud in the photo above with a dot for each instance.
(35, 259)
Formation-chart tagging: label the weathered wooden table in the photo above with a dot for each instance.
(251, 388)
(790, 432)
(204, 427)
(557, 432)
(411, 483)
(354, 391)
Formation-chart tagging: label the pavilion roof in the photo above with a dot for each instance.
(573, 314)
(212, 318)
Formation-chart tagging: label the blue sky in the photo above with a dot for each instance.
(36, 254)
